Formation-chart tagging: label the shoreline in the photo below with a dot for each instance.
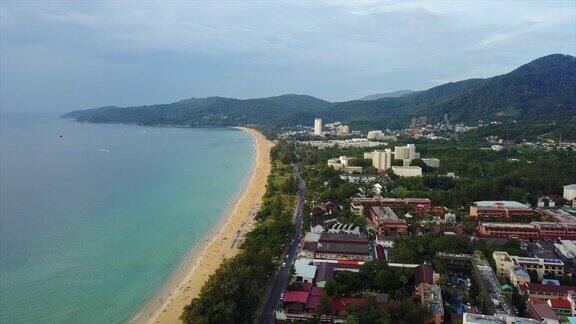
(184, 284)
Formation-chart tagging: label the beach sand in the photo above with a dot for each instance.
(222, 242)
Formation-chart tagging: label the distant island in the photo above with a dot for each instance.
(541, 94)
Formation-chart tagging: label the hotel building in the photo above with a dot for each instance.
(382, 160)
(499, 210)
(318, 126)
(507, 264)
(420, 206)
(534, 230)
(386, 222)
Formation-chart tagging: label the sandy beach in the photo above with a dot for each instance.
(222, 242)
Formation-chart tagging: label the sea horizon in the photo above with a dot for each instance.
(100, 253)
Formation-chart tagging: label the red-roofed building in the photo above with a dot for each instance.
(338, 305)
(295, 301)
(536, 290)
(562, 307)
(540, 311)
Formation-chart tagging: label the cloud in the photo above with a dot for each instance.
(143, 52)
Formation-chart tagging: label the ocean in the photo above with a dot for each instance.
(95, 217)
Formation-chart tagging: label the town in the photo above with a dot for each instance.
(374, 250)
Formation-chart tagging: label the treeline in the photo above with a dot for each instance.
(233, 293)
(378, 277)
(515, 174)
(423, 248)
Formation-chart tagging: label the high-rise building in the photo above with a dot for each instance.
(407, 152)
(382, 160)
(318, 126)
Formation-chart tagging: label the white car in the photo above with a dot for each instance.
(283, 264)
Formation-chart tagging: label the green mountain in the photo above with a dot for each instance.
(213, 111)
(393, 94)
(543, 90)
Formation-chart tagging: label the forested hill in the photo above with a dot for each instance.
(542, 90)
(213, 111)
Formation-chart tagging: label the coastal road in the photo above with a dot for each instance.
(281, 278)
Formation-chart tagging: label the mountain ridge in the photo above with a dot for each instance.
(545, 87)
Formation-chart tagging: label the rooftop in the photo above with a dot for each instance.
(497, 319)
(503, 203)
(304, 268)
(542, 310)
(345, 248)
(343, 237)
(296, 297)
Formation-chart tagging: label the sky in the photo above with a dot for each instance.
(62, 56)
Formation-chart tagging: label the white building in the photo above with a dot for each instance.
(382, 160)
(305, 270)
(374, 135)
(318, 126)
(506, 263)
(469, 318)
(341, 164)
(570, 192)
(407, 171)
(407, 152)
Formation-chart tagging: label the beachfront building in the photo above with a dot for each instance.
(318, 126)
(506, 266)
(499, 210)
(338, 246)
(407, 171)
(386, 222)
(342, 164)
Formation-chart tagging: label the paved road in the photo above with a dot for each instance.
(281, 279)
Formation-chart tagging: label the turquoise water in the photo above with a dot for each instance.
(93, 223)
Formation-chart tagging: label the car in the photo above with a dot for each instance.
(283, 264)
(287, 256)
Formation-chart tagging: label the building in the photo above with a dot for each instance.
(386, 222)
(407, 152)
(562, 307)
(342, 129)
(407, 171)
(533, 230)
(318, 126)
(342, 164)
(541, 311)
(424, 274)
(469, 318)
(305, 271)
(507, 264)
(338, 246)
(570, 192)
(542, 291)
(420, 206)
(499, 210)
(378, 135)
(556, 215)
(382, 160)
(431, 298)
(567, 248)
(431, 162)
